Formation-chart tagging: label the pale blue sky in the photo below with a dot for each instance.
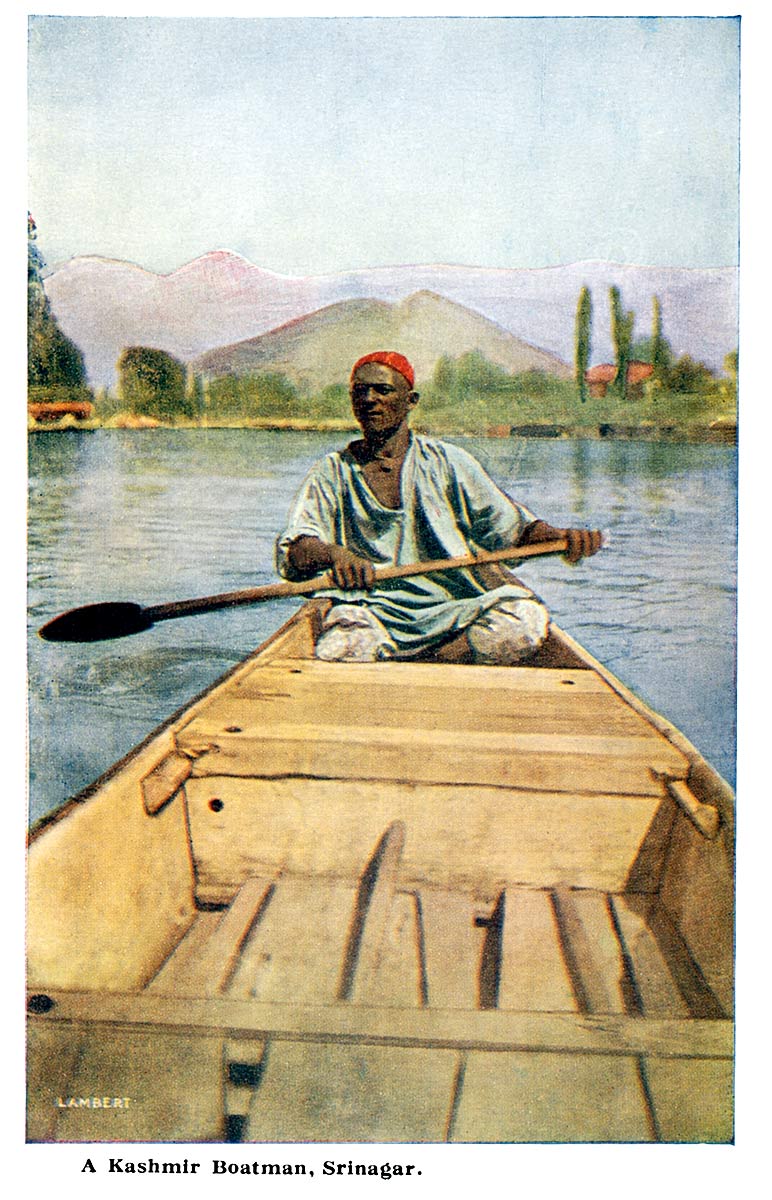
(316, 145)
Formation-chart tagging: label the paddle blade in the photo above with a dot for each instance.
(97, 623)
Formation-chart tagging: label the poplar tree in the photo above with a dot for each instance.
(622, 324)
(659, 350)
(582, 340)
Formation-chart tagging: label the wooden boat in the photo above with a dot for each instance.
(392, 902)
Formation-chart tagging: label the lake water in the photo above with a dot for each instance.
(165, 514)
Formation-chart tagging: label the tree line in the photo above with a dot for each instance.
(669, 374)
(54, 363)
(156, 384)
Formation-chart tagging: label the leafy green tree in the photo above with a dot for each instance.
(194, 393)
(583, 328)
(686, 375)
(152, 383)
(252, 395)
(728, 385)
(443, 378)
(53, 360)
(731, 365)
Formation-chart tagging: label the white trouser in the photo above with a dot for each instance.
(506, 633)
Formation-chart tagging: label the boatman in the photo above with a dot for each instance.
(395, 497)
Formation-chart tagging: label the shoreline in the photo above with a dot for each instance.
(719, 433)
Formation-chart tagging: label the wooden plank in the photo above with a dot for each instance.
(205, 968)
(441, 676)
(657, 991)
(172, 1081)
(539, 712)
(692, 1099)
(594, 950)
(295, 953)
(561, 702)
(533, 972)
(458, 838)
(221, 953)
(329, 1093)
(551, 1098)
(397, 979)
(177, 974)
(625, 765)
(161, 784)
(452, 948)
(441, 1029)
(375, 895)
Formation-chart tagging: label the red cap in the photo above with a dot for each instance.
(389, 358)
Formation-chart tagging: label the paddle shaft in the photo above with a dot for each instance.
(321, 583)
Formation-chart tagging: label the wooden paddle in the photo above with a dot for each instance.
(100, 622)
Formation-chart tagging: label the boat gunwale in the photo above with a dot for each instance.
(712, 788)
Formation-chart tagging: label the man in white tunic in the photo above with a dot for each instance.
(395, 497)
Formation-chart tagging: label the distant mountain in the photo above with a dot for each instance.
(319, 349)
(221, 299)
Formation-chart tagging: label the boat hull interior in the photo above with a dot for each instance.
(388, 902)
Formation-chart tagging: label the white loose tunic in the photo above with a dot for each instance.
(450, 507)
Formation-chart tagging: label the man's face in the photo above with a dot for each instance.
(381, 398)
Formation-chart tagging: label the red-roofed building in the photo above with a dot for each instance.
(598, 378)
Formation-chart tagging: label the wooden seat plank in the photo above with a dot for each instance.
(452, 948)
(561, 705)
(626, 765)
(295, 953)
(440, 676)
(533, 976)
(538, 1097)
(692, 1099)
(657, 990)
(565, 702)
(314, 1092)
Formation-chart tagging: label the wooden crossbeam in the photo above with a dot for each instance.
(492, 1029)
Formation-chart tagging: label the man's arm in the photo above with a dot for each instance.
(581, 542)
(310, 555)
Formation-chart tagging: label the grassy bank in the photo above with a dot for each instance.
(557, 412)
